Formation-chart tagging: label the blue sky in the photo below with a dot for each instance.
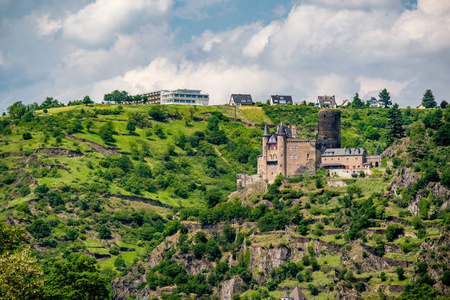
(303, 48)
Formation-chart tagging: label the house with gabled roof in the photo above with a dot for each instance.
(280, 99)
(241, 100)
(326, 101)
(374, 103)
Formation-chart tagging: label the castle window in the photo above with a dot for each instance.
(290, 156)
(289, 147)
(356, 158)
(295, 156)
(347, 158)
(307, 155)
(289, 165)
(296, 147)
(281, 155)
(331, 159)
(325, 159)
(298, 166)
(281, 147)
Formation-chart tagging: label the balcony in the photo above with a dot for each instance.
(272, 162)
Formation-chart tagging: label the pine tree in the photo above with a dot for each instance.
(395, 124)
(357, 103)
(428, 99)
(385, 98)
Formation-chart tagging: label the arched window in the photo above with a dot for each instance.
(275, 157)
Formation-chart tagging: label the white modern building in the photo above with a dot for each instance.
(184, 96)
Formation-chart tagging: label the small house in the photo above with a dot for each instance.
(280, 99)
(241, 100)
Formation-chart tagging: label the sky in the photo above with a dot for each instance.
(303, 48)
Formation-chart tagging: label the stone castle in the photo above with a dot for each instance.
(284, 152)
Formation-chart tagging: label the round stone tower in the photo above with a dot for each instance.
(330, 127)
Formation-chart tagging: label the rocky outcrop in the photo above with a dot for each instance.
(435, 253)
(139, 199)
(404, 178)
(96, 147)
(230, 287)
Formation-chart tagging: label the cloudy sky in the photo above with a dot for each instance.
(304, 48)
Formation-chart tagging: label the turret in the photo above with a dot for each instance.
(280, 130)
(266, 131)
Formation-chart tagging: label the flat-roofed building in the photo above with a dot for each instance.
(152, 97)
(184, 96)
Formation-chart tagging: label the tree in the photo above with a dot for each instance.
(104, 232)
(385, 98)
(400, 273)
(19, 273)
(395, 124)
(137, 99)
(87, 100)
(357, 103)
(106, 132)
(20, 276)
(27, 135)
(88, 123)
(428, 99)
(393, 231)
(130, 126)
(77, 278)
(17, 110)
(443, 104)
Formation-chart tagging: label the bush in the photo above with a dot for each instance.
(39, 229)
(104, 232)
(27, 136)
(393, 231)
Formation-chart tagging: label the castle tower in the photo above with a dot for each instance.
(330, 127)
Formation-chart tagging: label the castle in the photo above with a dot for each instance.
(287, 154)
(284, 152)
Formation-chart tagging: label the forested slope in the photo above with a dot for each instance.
(142, 190)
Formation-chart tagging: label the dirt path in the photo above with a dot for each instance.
(221, 155)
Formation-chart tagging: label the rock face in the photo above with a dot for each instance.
(404, 178)
(230, 287)
(434, 252)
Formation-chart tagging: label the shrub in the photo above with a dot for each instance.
(27, 136)
(104, 232)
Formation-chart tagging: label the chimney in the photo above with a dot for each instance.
(294, 130)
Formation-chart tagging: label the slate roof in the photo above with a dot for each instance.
(343, 152)
(297, 294)
(280, 99)
(241, 99)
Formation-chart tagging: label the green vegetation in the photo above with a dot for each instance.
(100, 189)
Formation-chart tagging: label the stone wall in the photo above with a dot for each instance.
(245, 180)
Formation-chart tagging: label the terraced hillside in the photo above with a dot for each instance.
(148, 192)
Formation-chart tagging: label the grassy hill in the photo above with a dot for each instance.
(143, 190)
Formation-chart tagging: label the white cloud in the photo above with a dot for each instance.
(45, 26)
(194, 9)
(260, 40)
(370, 87)
(99, 22)
(357, 4)
(219, 79)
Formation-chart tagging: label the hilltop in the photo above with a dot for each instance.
(149, 192)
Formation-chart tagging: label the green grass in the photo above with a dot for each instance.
(93, 244)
